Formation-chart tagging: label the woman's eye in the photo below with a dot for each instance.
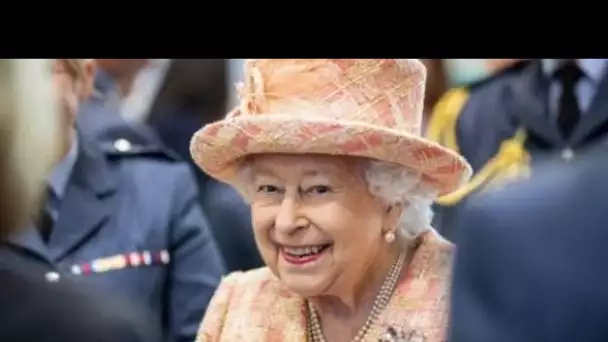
(319, 190)
(268, 188)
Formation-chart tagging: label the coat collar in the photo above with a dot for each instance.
(60, 176)
(87, 203)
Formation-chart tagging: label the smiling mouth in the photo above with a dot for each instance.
(304, 254)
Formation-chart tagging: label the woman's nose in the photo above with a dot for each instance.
(288, 220)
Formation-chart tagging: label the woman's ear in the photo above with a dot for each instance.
(393, 213)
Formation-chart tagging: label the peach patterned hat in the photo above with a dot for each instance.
(352, 107)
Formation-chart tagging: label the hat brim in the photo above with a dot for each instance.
(219, 147)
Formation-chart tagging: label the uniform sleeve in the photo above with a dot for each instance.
(211, 328)
(196, 265)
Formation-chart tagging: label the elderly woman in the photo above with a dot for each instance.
(329, 155)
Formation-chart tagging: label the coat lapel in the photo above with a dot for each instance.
(596, 117)
(87, 204)
(29, 240)
(529, 105)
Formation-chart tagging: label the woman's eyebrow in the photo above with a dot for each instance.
(264, 173)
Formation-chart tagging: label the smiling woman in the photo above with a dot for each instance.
(328, 153)
(319, 223)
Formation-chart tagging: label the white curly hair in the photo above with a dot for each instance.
(391, 183)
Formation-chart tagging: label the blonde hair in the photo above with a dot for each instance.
(29, 137)
(75, 68)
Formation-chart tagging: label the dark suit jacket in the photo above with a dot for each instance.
(512, 99)
(531, 259)
(35, 310)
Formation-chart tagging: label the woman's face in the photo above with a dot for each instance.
(317, 226)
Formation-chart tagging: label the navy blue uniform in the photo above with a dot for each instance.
(128, 222)
(531, 259)
(34, 309)
(504, 126)
(229, 216)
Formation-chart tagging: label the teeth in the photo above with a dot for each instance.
(301, 251)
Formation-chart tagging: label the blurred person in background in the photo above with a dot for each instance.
(530, 111)
(234, 74)
(465, 72)
(114, 78)
(148, 82)
(167, 101)
(192, 94)
(101, 110)
(436, 85)
(531, 260)
(445, 73)
(34, 308)
(123, 218)
(340, 193)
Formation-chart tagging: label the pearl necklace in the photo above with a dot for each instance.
(315, 333)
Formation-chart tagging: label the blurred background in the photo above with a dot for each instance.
(207, 86)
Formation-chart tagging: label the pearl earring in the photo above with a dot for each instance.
(389, 237)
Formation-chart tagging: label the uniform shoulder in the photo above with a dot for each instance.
(469, 107)
(484, 91)
(457, 99)
(124, 148)
(119, 138)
